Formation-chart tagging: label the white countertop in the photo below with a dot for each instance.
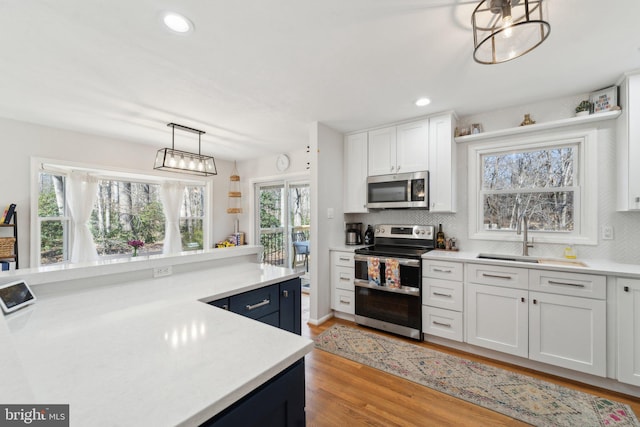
(146, 352)
(346, 248)
(594, 266)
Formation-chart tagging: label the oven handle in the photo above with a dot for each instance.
(406, 290)
(401, 261)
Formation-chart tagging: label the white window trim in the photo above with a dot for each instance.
(586, 219)
(39, 164)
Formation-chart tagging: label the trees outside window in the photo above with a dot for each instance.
(123, 211)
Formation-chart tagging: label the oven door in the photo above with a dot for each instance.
(397, 310)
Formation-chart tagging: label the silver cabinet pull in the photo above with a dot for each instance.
(225, 307)
(439, 270)
(285, 294)
(344, 259)
(345, 302)
(258, 305)
(496, 276)
(345, 279)
(448, 325)
(577, 285)
(442, 295)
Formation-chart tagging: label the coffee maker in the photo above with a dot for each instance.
(353, 233)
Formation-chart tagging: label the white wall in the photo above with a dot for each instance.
(624, 248)
(326, 194)
(21, 141)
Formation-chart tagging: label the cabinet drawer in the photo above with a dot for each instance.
(442, 269)
(577, 284)
(343, 278)
(256, 304)
(344, 259)
(442, 323)
(442, 293)
(509, 277)
(344, 301)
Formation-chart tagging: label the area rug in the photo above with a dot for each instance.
(518, 396)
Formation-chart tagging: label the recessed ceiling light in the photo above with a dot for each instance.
(177, 22)
(421, 102)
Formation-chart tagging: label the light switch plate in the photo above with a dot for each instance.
(162, 271)
(329, 213)
(607, 232)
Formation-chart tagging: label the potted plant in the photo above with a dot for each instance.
(583, 109)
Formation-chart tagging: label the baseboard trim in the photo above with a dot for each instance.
(317, 322)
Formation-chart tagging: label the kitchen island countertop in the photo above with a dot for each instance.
(144, 352)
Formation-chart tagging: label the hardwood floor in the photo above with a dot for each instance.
(341, 392)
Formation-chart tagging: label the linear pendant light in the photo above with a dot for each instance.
(507, 29)
(173, 160)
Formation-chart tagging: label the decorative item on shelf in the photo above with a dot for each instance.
(135, 244)
(583, 109)
(527, 120)
(604, 99)
(463, 132)
(507, 29)
(7, 245)
(476, 128)
(234, 206)
(173, 160)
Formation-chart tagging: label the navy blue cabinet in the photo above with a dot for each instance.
(277, 305)
(278, 403)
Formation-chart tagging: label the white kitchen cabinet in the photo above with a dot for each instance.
(355, 173)
(442, 299)
(568, 331)
(628, 325)
(497, 318)
(442, 164)
(399, 149)
(342, 286)
(628, 145)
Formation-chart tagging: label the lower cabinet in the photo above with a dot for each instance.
(566, 330)
(278, 403)
(442, 299)
(277, 305)
(628, 302)
(497, 318)
(342, 277)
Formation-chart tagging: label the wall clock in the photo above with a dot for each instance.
(282, 162)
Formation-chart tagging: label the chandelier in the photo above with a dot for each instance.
(507, 29)
(173, 160)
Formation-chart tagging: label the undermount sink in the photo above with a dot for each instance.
(534, 260)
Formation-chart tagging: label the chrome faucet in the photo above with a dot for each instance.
(523, 224)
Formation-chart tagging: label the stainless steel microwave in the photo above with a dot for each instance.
(398, 191)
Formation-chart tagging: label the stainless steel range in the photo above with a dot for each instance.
(388, 279)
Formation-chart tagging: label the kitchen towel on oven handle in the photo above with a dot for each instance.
(392, 272)
(373, 270)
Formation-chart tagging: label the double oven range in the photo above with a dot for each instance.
(388, 279)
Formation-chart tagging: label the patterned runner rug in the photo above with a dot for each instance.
(518, 396)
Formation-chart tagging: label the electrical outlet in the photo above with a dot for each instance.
(162, 271)
(607, 232)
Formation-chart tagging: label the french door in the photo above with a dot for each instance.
(283, 214)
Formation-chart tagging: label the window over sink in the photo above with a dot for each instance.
(543, 178)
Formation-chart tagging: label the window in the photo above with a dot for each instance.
(542, 179)
(124, 210)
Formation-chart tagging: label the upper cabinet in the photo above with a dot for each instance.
(399, 149)
(355, 173)
(628, 145)
(442, 164)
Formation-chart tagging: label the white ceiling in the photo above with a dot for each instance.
(255, 73)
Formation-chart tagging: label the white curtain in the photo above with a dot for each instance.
(82, 191)
(171, 194)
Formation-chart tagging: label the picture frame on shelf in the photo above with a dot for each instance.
(604, 99)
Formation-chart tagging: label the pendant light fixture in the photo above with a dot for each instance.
(173, 160)
(507, 29)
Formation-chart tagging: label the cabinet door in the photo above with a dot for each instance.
(412, 147)
(355, 173)
(382, 151)
(442, 164)
(497, 318)
(568, 331)
(628, 291)
(291, 306)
